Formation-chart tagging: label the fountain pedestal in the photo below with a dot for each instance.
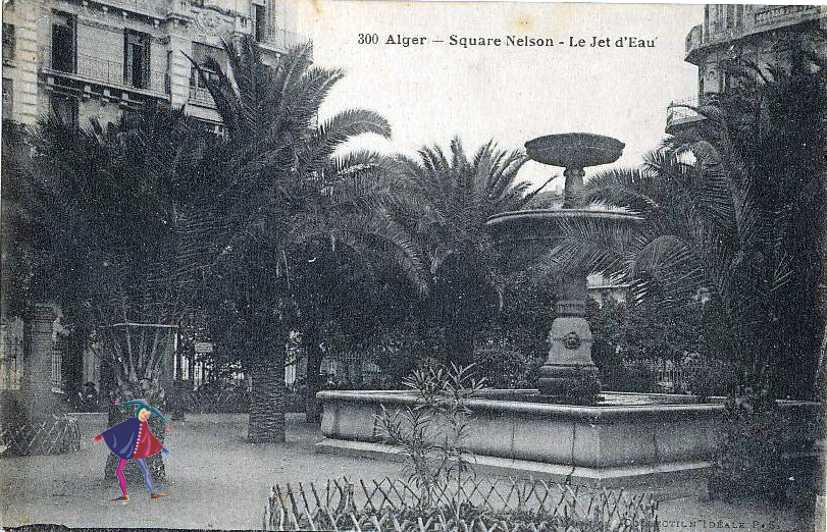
(570, 340)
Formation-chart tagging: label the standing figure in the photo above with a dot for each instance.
(132, 439)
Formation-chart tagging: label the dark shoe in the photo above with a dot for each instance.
(123, 498)
(157, 495)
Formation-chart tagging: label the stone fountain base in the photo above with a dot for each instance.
(662, 438)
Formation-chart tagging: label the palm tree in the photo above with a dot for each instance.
(445, 200)
(285, 185)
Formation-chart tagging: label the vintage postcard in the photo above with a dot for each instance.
(413, 266)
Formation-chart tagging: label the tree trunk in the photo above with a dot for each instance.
(267, 401)
(312, 406)
(460, 346)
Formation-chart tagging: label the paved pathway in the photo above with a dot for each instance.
(217, 480)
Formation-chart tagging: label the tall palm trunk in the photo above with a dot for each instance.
(267, 401)
(312, 408)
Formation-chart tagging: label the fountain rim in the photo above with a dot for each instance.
(556, 214)
(596, 413)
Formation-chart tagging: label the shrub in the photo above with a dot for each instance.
(750, 448)
(706, 378)
(503, 367)
(634, 377)
(585, 389)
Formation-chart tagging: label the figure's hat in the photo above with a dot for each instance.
(136, 405)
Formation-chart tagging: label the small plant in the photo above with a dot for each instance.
(433, 431)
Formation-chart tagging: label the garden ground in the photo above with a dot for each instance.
(217, 480)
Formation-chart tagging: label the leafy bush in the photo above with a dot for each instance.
(634, 377)
(432, 432)
(750, 448)
(706, 378)
(585, 389)
(502, 367)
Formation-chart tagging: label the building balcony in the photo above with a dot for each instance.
(681, 114)
(89, 75)
(280, 40)
(756, 19)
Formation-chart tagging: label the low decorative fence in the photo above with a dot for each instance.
(484, 505)
(53, 436)
(224, 402)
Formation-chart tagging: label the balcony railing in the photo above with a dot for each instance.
(681, 113)
(105, 72)
(775, 14)
(281, 39)
(201, 96)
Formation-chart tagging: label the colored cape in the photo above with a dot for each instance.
(132, 439)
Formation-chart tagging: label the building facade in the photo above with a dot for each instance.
(87, 59)
(731, 32)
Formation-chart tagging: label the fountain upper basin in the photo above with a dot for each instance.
(574, 150)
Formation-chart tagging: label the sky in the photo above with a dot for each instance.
(432, 92)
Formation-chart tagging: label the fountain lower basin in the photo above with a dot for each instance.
(630, 439)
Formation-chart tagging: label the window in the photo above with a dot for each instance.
(9, 42)
(64, 52)
(136, 59)
(167, 77)
(730, 16)
(65, 109)
(260, 22)
(201, 54)
(8, 98)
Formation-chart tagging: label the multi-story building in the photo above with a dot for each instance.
(99, 58)
(730, 32)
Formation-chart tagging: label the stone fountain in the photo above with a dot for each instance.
(626, 439)
(527, 234)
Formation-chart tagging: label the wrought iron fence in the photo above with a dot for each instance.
(474, 504)
(11, 354)
(223, 401)
(55, 436)
(105, 71)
